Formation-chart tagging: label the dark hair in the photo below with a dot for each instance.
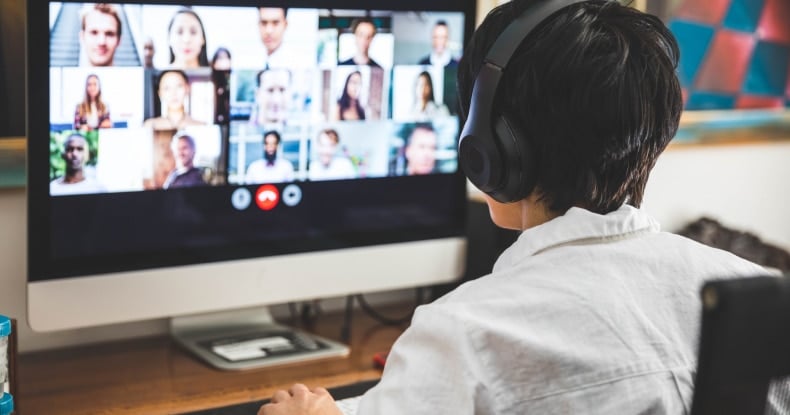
(441, 23)
(331, 133)
(408, 129)
(594, 88)
(220, 50)
(203, 56)
(179, 72)
(359, 20)
(427, 76)
(345, 100)
(271, 132)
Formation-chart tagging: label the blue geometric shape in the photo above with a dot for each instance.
(744, 15)
(710, 101)
(767, 74)
(693, 40)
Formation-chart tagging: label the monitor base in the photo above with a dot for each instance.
(249, 339)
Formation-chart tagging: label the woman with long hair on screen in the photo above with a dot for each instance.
(348, 106)
(92, 112)
(187, 40)
(425, 107)
(173, 91)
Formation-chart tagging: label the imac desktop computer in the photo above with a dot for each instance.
(201, 160)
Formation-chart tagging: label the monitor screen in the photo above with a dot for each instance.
(192, 142)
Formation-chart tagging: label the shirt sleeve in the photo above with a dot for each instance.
(430, 370)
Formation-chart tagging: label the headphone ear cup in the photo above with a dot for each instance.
(519, 174)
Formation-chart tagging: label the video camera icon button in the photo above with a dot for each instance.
(292, 195)
(241, 198)
(267, 197)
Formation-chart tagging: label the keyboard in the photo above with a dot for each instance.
(347, 398)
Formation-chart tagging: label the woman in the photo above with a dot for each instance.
(173, 90)
(425, 107)
(92, 112)
(187, 40)
(348, 106)
(221, 60)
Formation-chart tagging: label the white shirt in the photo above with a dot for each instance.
(260, 172)
(88, 185)
(338, 169)
(585, 314)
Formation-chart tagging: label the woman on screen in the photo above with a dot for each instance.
(348, 106)
(173, 92)
(92, 112)
(187, 40)
(425, 107)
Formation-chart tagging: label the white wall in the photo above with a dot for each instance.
(745, 187)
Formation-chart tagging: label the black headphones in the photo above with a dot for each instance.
(493, 154)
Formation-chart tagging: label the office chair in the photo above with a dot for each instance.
(744, 346)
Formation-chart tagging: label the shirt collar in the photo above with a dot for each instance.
(578, 225)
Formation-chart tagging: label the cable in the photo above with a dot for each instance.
(363, 304)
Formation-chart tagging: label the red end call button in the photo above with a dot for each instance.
(267, 197)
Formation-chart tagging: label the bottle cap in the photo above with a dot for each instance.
(5, 326)
(6, 404)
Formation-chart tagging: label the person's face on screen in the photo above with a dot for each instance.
(270, 145)
(184, 153)
(186, 40)
(421, 152)
(423, 89)
(148, 53)
(363, 36)
(439, 38)
(100, 38)
(92, 87)
(173, 90)
(272, 96)
(354, 85)
(75, 151)
(272, 25)
(326, 148)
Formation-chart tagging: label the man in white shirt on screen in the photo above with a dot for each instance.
(272, 23)
(76, 180)
(272, 168)
(330, 165)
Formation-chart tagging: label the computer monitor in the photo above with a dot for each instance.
(210, 155)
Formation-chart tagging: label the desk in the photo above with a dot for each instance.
(155, 376)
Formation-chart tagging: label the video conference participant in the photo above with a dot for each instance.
(173, 90)
(329, 165)
(75, 181)
(185, 173)
(364, 29)
(440, 55)
(272, 168)
(100, 33)
(420, 149)
(425, 105)
(92, 113)
(187, 40)
(271, 97)
(593, 309)
(272, 23)
(349, 107)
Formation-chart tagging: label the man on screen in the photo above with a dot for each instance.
(100, 34)
(185, 174)
(271, 97)
(330, 165)
(75, 181)
(364, 31)
(440, 54)
(272, 24)
(270, 169)
(420, 150)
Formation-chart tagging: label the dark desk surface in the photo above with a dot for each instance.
(155, 376)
